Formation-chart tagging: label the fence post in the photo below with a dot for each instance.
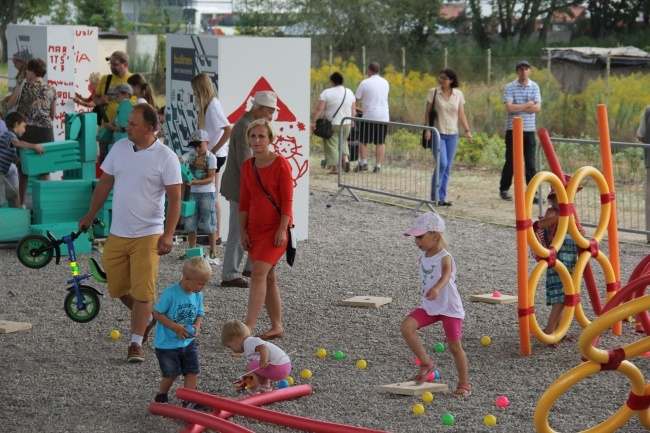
(331, 60)
(608, 70)
(446, 53)
(489, 128)
(404, 76)
(363, 59)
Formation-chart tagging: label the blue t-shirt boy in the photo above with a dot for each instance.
(181, 307)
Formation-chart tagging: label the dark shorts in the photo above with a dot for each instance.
(37, 135)
(373, 133)
(221, 160)
(174, 362)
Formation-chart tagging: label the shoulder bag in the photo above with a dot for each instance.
(324, 128)
(428, 144)
(291, 237)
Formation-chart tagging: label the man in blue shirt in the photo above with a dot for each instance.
(523, 99)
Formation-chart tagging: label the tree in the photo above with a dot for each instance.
(611, 17)
(61, 12)
(97, 13)
(13, 10)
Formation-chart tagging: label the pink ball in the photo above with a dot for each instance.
(417, 361)
(431, 377)
(502, 401)
(496, 294)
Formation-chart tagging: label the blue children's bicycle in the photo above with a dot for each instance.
(36, 251)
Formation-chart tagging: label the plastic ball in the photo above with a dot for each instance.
(485, 340)
(115, 334)
(417, 361)
(427, 397)
(361, 364)
(448, 419)
(496, 294)
(289, 380)
(321, 353)
(306, 374)
(418, 409)
(190, 329)
(436, 374)
(431, 377)
(439, 347)
(502, 401)
(283, 384)
(490, 420)
(339, 355)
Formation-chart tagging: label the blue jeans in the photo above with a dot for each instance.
(447, 153)
(205, 213)
(174, 362)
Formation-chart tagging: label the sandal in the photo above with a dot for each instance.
(462, 391)
(423, 374)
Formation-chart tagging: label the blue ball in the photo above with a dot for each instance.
(190, 329)
(437, 374)
(283, 384)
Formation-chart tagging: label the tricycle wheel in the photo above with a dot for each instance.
(91, 304)
(31, 251)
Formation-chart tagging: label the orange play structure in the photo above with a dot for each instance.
(620, 302)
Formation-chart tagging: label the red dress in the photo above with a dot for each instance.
(263, 219)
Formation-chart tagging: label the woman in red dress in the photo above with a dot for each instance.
(263, 223)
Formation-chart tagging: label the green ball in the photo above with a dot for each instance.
(439, 347)
(339, 355)
(447, 419)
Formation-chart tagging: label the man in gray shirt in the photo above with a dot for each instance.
(264, 105)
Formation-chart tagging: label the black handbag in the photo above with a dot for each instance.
(99, 109)
(323, 127)
(428, 144)
(291, 237)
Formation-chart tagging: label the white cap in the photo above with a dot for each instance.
(198, 137)
(266, 99)
(428, 222)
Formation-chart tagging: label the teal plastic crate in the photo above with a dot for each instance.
(85, 135)
(109, 201)
(14, 223)
(81, 245)
(193, 252)
(60, 155)
(72, 195)
(188, 208)
(87, 171)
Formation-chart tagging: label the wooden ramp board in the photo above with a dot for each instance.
(367, 301)
(490, 299)
(7, 327)
(410, 388)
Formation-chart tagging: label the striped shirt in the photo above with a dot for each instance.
(519, 94)
(7, 151)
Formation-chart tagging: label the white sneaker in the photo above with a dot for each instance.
(213, 259)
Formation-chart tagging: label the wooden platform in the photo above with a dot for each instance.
(7, 327)
(410, 388)
(367, 301)
(490, 299)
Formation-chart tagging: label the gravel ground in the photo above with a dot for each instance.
(63, 376)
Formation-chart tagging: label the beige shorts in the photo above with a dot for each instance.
(131, 266)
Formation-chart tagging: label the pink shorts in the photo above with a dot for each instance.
(453, 326)
(273, 372)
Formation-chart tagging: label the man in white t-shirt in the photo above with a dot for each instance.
(373, 94)
(141, 170)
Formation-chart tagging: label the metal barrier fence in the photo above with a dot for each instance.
(406, 169)
(631, 181)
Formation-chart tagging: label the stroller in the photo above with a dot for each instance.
(353, 141)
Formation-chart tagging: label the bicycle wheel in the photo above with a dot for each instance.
(90, 300)
(27, 251)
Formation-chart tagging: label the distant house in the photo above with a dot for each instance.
(562, 21)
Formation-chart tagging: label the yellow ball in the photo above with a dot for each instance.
(418, 409)
(306, 374)
(289, 380)
(427, 397)
(321, 353)
(361, 364)
(490, 420)
(485, 340)
(115, 334)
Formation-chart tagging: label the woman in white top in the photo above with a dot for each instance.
(337, 100)
(213, 120)
(449, 103)
(142, 90)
